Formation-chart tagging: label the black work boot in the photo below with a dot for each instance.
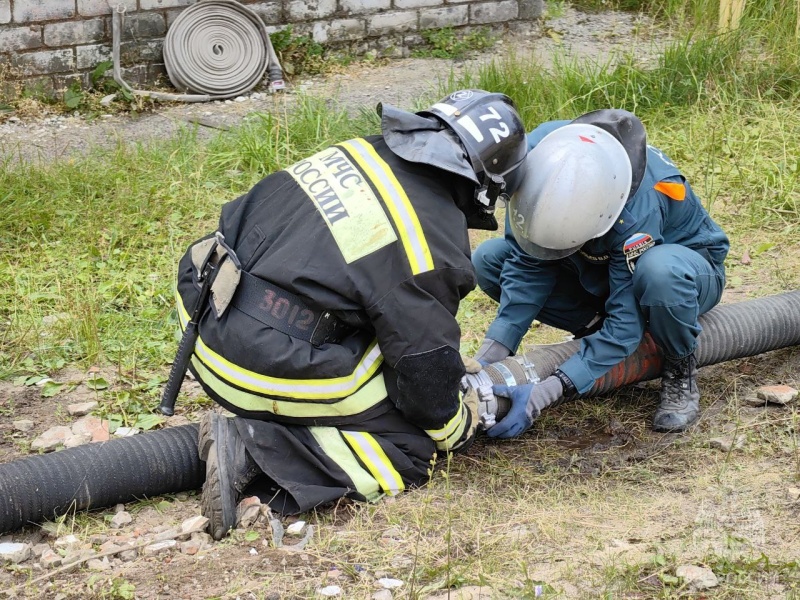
(229, 469)
(680, 398)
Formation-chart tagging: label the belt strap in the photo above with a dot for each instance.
(284, 311)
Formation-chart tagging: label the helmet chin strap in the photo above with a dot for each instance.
(486, 196)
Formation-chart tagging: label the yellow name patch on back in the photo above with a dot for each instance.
(344, 199)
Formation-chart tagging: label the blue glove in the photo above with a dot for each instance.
(527, 403)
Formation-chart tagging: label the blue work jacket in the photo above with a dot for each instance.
(664, 210)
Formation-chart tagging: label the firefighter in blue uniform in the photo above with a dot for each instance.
(331, 330)
(606, 239)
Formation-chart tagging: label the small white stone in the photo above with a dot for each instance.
(240, 99)
(388, 583)
(253, 552)
(67, 541)
(697, 578)
(126, 431)
(296, 528)
(192, 524)
(382, 595)
(793, 493)
(121, 519)
(159, 547)
(15, 553)
(330, 590)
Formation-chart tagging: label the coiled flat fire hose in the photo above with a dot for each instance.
(215, 49)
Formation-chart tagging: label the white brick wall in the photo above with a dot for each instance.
(65, 39)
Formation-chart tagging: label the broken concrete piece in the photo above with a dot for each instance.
(51, 439)
(74, 441)
(296, 528)
(14, 552)
(97, 428)
(50, 559)
(248, 511)
(193, 524)
(126, 431)
(121, 519)
(777, 394)
(697, 578)
(81, 409)
(793, 493)
(159, 547)
(23, 425)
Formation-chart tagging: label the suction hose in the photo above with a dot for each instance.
(730, 331)
(97, 475)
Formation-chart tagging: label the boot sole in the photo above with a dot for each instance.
(217, 492)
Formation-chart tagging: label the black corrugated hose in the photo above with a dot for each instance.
(96, 475)
(166, 461)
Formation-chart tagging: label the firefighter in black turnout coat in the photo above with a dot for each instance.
(330, 329)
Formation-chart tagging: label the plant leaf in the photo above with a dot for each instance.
(51, 388)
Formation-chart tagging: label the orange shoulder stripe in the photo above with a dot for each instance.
(676, 191)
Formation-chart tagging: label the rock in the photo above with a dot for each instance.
(73, 441)
(203, 537)
(50, 559)
(121, 519)
(39, 549)
(755, 401)
(23, 425)
(51, 439)
(697, 578)
(97, 428)
(169, 534)
(330, 590)
(193, 524)
(388, 583)
(14, 552)
(727, 444)
(129, 555)
(191, 547)
(382, 595)
(95, 564)
(126, 431)
(296, 528)
(81, 409)
(248, 511)
(793, 493)
(119, 508)
(67, 541)
(159, 547)
(777, 394)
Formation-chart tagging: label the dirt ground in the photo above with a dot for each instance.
(627, 501)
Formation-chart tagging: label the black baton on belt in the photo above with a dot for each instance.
(188, 340)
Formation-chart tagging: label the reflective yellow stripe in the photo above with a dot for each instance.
(372, 455)
(448, 435)
(310, 389)
(337, 450)
(394, 196)
(368, 396)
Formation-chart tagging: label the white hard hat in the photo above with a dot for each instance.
(577, 181)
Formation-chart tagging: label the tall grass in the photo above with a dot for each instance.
(91, 243)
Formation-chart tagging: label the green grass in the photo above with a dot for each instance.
(87, 275)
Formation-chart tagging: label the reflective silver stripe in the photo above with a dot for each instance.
(312, 389)
(400, 208)
(373, 456)
(336, 449)
(445, 432)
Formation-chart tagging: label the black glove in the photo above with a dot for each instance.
(527, 403)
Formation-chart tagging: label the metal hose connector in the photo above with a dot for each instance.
(217, 47)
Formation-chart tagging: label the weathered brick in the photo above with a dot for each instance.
(95, 8)
(5, 11)
(270, 12)
(392, 22)
(341, 30)
(448, 16)
(71, 33)
(300, 10)
(43, 63)
(493, 12)
(531, 9)
(355, 7)
(156, 4)
(14, 39)
(319, 32)
(27, 11)
(134, 53)
(144, 25)
(88, 57)
(416, 3)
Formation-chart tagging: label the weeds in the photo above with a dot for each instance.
(449, 43)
